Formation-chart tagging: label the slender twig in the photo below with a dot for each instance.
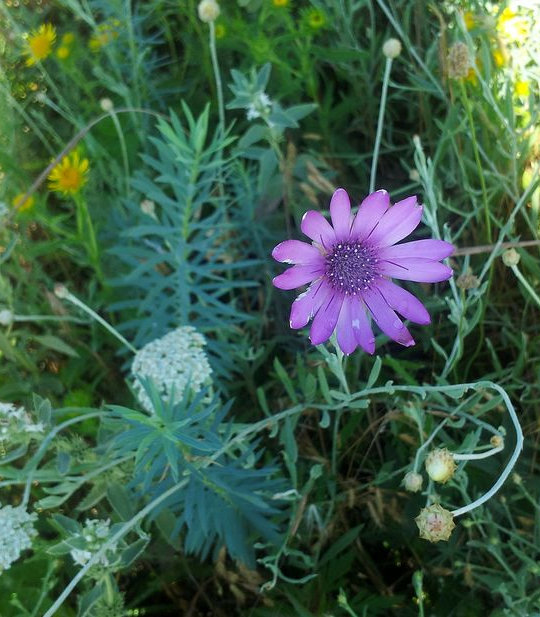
(380, 122)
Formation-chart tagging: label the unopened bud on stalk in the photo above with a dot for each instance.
(208, 10)
(106, 104)
(6, 317)
(510, 257)
(412, 482)
(392, 48)
(440, 465)
(60, 291)
(435, 523)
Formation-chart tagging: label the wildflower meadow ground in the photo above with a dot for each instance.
(269, 308)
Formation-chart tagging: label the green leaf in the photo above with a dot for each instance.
(374, 373)
(121, 501)
(56, 344)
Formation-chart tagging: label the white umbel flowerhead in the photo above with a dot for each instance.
(208, 10)
(17, 426)
(392, 48)
(440, 465)
(16, 533)
(174, 362)
(93, 537)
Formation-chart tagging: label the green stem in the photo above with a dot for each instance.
(217, 76)
(468, 110)
(65, 294)
(380, 122)
(525, 284)
(123, 148)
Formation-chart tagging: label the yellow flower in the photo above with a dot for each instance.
(471, 77)
(512, 25)
(40, 43)
(105, 33)
(70, 175)
(469, 20)
(68, 38)
(521, 88)
(62, 52)
(21, 204)
(498, 58)
(280, 2)
(221, 31)
(315, 19)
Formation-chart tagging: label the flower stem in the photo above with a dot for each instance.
(468, 110)
(217, 76)
(380, 121)
(66, 295)
(525, 284)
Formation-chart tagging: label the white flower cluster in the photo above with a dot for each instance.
(94, 536)
(260, 106)
(172, 362)
(16, 533)
(16, 425)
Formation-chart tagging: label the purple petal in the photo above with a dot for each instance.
(416, 269)
(297, 276)
(308, 303)
(361, 326)
(325, 320)
(340, 212)
(316, 227)
(369, 214)
(344, 330)
(397, 222)
(403, 302)
(426, 249)
(386, 318)
(296, 252)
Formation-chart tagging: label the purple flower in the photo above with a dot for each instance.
(349, 265)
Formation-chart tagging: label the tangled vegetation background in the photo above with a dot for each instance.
(168, 445)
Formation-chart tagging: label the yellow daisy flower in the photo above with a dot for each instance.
(512, 26)
(105, 33)
(40, 43)
(498, 58)
(21, 204)
(315, 19)
(63, 52)
(469, 20)
(221, 31)
(70, 175)
(521, 88)
(68, 38)
(280, 2)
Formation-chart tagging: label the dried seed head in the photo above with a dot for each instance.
(412, 482)
(440, 465)
(435, 523)
(468, 281)
(459, 61)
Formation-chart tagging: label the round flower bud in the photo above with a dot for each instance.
(412, 482)
(6, 317)
(208, 10)
(106, 104)
(497, 441)
(392, 48)
(510, 258)
(435, 523)
(60, 291)
(459, 61)
(440, 465)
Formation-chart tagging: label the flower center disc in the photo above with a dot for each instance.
(351, 267)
